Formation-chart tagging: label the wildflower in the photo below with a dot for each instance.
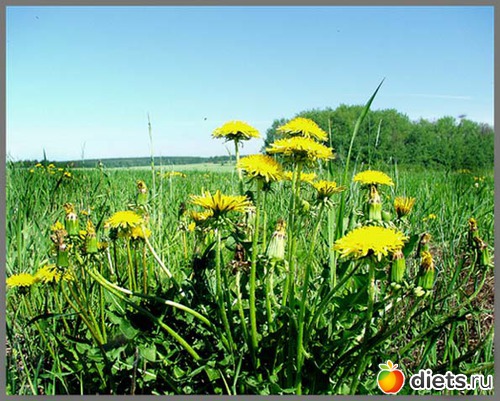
(386, 216)
(301, 149)
(304, 177)
(200, 217)
(482, 252)
(170, 174)
(372, 177)
(90, 238)
(368, 240)
(326, 189)
(431, 216)
(423, 244)
(20, 280)
(398, 267)
(373, 206)
(473, 230)
(58, 237)
(277, 244)
(262, 167)
(51, 166)
(71, 220)
(403, 205)
(124, 219)
(236, 131)
(427, 271)
(140, 232)
(191, 226)
(142, 193)
(38, 165)
(239, 262)
(32, 170)
(67, 174)
(220, 204)
(303, 127)
(51, 274)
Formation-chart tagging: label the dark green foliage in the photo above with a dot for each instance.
(388, 135)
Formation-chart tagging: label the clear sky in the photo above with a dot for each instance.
(82, 80)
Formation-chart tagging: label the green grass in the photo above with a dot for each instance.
(191, 333)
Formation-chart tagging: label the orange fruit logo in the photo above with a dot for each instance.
(390, 379)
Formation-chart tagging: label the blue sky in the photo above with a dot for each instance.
(82, 80)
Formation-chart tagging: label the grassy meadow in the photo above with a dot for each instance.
(141, 281)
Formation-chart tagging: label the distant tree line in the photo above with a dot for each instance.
(131, 161)
(388, 136)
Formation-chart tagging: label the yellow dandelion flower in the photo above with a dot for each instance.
(200, 217)
(220, 204)
(236, 131)
(50, 273)
(363, 241)
(20, 280)
(124, 219)
(403, 205)
(261, 166)
(300, 148)
(191, 226)
(58, 226)
(170, 174)
(51, 166)
(304, 177)
(303, 127)
(32, 170)
(38, 165)
(372, 177)
(327, 188)
(69, 208)
(431, 216)
(140, 232)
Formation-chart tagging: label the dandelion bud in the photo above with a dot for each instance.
(305, 206)
(142, 193)
(375, 211)
(90, 239)
(423, 245)
(473, 231)
(485, 257)
(427, 271)
(419, 292)
(398, 267)
(403, 205)
(62, 256)
(386, 216)
(483, 252)
(71, 220)
(374, 205)
(277, 244)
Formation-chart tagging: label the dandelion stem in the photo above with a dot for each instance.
(253, 275)
(307, 273)
(240, 173)
(130, 269)
(240, 306)
(219, 293)
(292, 234)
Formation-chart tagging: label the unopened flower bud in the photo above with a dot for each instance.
(398, 267)
(277, 244)
(427, 271)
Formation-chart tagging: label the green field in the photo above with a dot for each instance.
(180, 311)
